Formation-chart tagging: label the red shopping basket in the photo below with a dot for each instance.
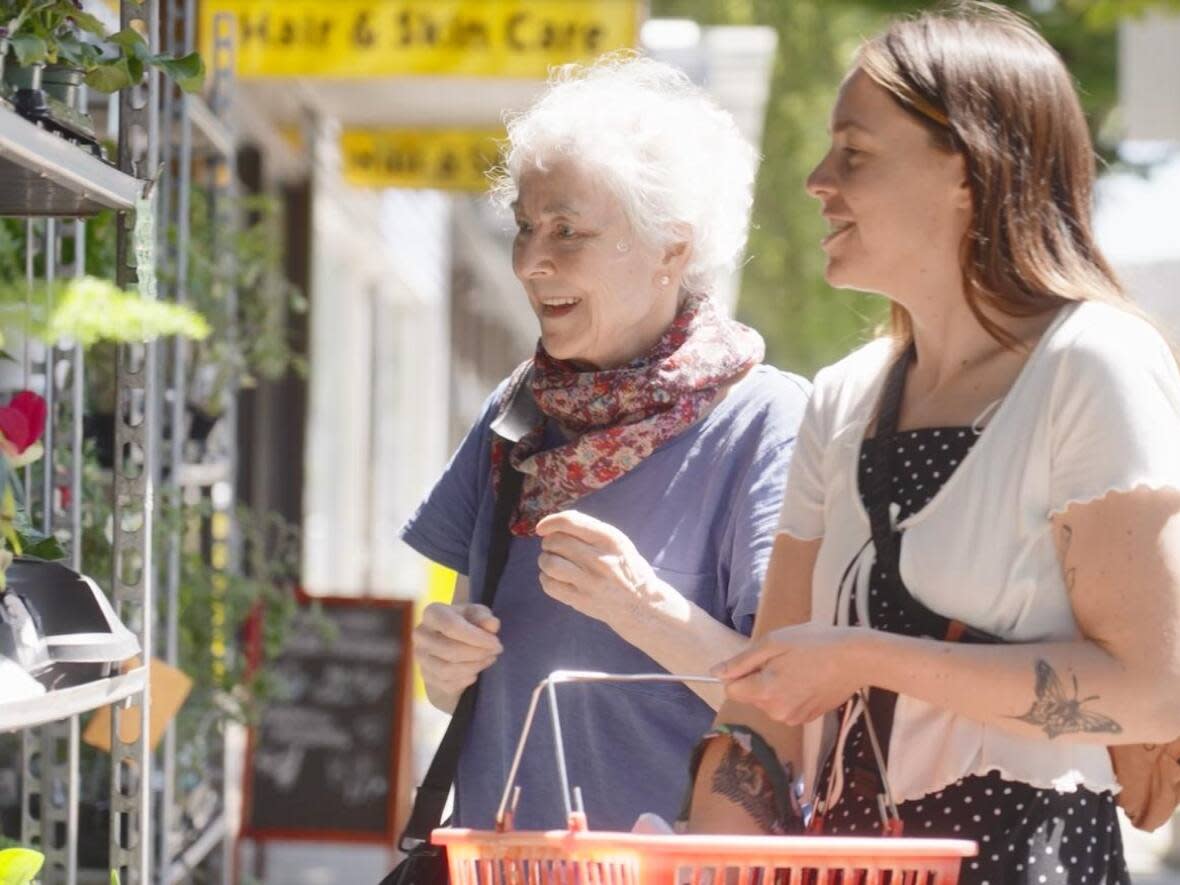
(579, 856)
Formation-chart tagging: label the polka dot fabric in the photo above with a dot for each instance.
(922, 462)
(1025, 835)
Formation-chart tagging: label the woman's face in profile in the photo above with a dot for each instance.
(592, 282)
(897, 206)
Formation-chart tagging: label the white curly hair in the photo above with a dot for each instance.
(673, 158)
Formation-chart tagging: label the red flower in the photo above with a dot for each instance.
(22, 421)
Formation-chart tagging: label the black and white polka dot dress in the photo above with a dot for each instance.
(1025, 835)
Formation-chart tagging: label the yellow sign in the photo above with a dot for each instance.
(389, 38)
(448, 159)
(440, 587)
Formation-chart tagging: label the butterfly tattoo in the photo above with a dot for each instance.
(1058, 714)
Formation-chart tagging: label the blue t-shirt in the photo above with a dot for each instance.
(703, 510)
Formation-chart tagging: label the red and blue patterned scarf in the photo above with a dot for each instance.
(620, 416)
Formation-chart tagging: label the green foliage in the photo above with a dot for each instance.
(100, 249)
(250, 332)
(19, 866)
(40, 546)
(20, 536)
(244, 338)
(1100, 14)
(215, 606)
(806, 324)
(89, 310)
(59, 32)
(12, 251)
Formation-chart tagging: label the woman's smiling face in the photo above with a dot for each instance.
(596, 287)
(897, 205)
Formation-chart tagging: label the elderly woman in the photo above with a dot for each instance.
(653, 465)
(980, 548)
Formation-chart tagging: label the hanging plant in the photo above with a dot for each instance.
(88, 310)
(60, 32)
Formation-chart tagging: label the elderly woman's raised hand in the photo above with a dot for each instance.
(795, 674)
(593, 567)
(453, 644)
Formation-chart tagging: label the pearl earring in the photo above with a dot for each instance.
(623, 246)
(665, 279)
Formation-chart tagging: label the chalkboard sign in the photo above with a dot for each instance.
(324, 759)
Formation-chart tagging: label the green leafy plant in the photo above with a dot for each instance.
(19, 866)
(12, 250)
(88, 310)
(250, 338)
(218, 607)
(61, 32)
(98, 315)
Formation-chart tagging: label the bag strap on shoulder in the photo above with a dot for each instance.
(431, 797)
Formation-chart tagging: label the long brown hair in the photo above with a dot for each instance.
(987, 85)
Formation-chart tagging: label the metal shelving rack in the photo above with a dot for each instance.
(42, 174)
(134, 475)
(67, 702)
(195, 140)
(48, 179)
(45, 176)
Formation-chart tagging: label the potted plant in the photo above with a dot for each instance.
(98, 315)
(55, 47)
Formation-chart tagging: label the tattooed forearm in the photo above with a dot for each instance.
(1057, 713)
(740, 778)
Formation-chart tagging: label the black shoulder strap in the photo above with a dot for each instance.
(880, 494)
(431, 798)
(882, 704)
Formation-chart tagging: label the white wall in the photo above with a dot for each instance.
(377, 410)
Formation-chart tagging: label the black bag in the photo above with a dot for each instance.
(426, 864)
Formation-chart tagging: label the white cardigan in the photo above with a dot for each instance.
(1096, 408)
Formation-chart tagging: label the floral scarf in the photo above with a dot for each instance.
(620, 416)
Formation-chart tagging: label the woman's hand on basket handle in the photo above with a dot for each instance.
(796, 673)
(1113, 684)
(453, 644)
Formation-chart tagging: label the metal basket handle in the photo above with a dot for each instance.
(575, 811)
